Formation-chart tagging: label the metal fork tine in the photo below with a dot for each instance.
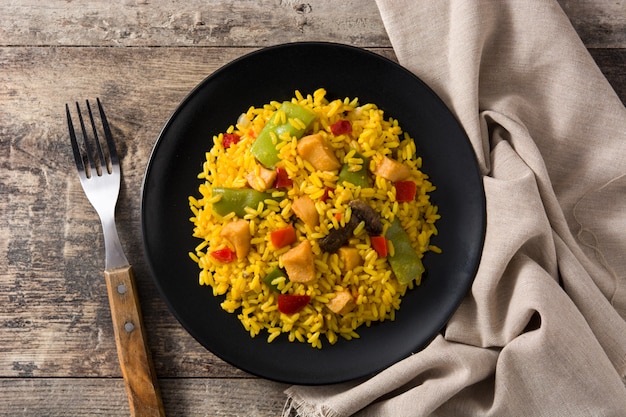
(78, 159)
(103, 164)
(108, 136)
(88, 151)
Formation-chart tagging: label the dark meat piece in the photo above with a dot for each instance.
(337, 238)
(361, 212)
(364, 213)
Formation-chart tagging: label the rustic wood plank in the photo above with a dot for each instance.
(56, 397)
(189, 23)
(601, 24)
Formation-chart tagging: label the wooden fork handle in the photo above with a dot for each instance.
(132, 349)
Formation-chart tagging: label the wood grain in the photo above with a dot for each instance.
(242, 23)
(142, 387)
(216, 23)
(600, 24)
(184, 397)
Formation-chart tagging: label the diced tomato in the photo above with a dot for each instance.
(292, 303)
(338, 216)
(379, 243)
(341, 127)
(326, 194)
(405, 191)
(283, 237)
(229, 139)
(282, 179)
(224, 255)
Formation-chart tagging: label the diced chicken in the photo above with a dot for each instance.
(305, 209)
(315, 150)
(261, 178)
(238, 234)
(299, 263)
(342, 303)
(392, 170)
(350, 258)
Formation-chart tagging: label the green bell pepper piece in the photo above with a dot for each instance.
(405, 262)
(272, 275)
(263, 148)
(360, 178)
(236, 200)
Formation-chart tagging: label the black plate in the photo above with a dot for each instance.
(274, 74)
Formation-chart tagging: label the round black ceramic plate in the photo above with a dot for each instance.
(274, 74)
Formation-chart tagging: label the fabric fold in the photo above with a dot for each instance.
(542, 331)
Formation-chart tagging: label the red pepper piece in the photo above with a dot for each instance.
(326, 194)
(229, 139)
(341, 127)
(292, 303)
(282, 179)
(225, 255)
(379, 243)
(405, 191)
(283, 237)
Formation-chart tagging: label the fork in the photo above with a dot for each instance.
(99, 173)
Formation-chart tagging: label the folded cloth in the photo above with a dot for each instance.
(543, 328)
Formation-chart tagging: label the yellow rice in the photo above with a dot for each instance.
(376, 292)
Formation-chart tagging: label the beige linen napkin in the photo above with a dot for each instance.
(543, 330)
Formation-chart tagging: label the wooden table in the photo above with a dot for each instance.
(57, 351)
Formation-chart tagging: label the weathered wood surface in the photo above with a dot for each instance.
(600, 24)
(88, 397)
(57, 350)
(216, 23)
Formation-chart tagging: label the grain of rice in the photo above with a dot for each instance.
(391, 248)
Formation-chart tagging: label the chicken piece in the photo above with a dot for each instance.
(238, 234)
(261, 178)
(305, 209)
(392, 170)
(350, 258)
(315, 150)
(299, 263)
(342, 303)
